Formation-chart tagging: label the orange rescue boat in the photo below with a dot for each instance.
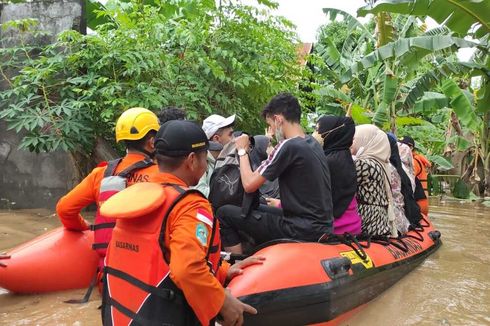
(304, 283)
(57, 260)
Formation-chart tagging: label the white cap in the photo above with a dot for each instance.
(214, 122)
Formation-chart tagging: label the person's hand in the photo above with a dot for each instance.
(273, 202)
(242, 141)
(237, 269)
(233, 309)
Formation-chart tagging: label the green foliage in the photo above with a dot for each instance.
(461, 105)
(457, 15)
(186, 53)
(461, 190)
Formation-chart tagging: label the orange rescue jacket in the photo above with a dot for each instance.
(87, 191)
(420, 166)
(163, 264)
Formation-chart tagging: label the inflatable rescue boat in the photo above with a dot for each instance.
(55, 261)
(300, 283)
(323, 283)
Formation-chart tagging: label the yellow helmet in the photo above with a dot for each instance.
(135, 123)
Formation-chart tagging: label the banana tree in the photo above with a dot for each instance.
(464, 18)
(378, 80)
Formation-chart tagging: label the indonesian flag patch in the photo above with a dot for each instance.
(205, 217)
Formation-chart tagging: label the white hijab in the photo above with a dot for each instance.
(370, 142)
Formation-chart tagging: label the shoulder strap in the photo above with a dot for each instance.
(136, 166)
(182, 194)
(111, 167)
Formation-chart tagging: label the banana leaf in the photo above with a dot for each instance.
(431, 102)
(412, 49)
(460, 16)
(461, 105)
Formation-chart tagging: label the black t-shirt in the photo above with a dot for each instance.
(304, 184)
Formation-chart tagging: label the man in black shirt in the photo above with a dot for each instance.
(304, 184)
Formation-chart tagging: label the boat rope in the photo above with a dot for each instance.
(363, 241)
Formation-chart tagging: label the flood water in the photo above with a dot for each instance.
(452, 287)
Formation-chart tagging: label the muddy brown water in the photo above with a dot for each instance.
(452, 287)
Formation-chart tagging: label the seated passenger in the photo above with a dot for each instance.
(335, 134)
(401, 220)
(219, 131)
(420, 166)
(375, 203)
(407, 162)
(410, 208)
(304, 184)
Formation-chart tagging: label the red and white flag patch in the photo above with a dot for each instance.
(205, 217)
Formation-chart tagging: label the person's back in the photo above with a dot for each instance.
(302, 172)
(136, 127)
(375, 203)
(304, 184)
(420, 166)
(88, 190)
(372, 199)
(336, 134)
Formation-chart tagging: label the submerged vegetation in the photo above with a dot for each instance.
(227, 58)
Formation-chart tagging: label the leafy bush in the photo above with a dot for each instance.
(187, 53)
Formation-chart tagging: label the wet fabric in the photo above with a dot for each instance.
(338, 135)
(372, 151)
(411, 209)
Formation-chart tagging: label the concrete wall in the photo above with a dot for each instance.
(29, 180)
(54, 16)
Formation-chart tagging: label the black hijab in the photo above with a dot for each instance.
(336, 146)
(412, 209)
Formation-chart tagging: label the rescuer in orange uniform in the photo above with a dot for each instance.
(137, 128)
(163, 264)
(420, 166)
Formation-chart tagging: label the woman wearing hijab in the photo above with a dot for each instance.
(375, 203)
(396, 187)
(335, 134)
(407, 162)
(410, 207)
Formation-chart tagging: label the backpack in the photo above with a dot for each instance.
(225, 186)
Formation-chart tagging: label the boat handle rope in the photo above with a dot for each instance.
(350, 239)
(4, 256)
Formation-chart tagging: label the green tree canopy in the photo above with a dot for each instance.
(187, 53)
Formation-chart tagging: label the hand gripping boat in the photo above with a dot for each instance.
(304, 283)
(57, 260)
